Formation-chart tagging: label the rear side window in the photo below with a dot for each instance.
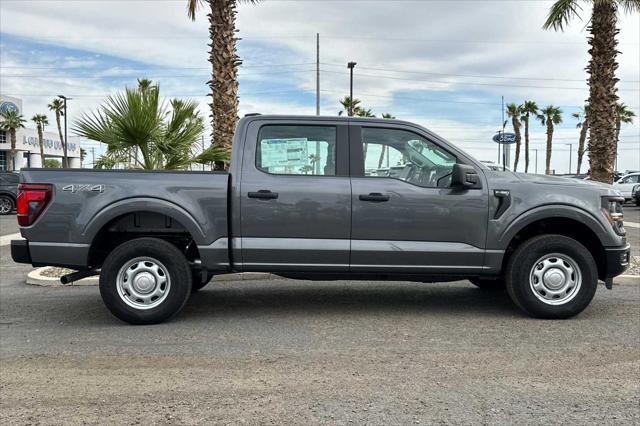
(297, 150)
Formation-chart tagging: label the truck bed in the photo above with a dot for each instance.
(85, 201)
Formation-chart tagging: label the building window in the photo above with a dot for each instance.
(3, 161)
(3, 136)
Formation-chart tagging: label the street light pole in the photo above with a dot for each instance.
(536, 160)
(570, 154)
(351, 66)
(65, 158)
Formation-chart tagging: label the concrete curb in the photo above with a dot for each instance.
(627, 279)
(35, 277)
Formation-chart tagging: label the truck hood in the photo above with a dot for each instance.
(567, 182)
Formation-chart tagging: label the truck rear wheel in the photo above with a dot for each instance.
(552, 276)
(145, 281)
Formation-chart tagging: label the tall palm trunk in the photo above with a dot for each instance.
(12, 152)
(41, 144)
(602, 97)
(516, 128)
(224, 61)
(381, 159)
(583, 138)
(64, 143)
(549, 143)
(614, 154)
(526, 143)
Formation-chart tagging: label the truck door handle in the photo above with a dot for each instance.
(376, 197)
(264, 194)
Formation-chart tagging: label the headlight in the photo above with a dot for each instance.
(612, 210)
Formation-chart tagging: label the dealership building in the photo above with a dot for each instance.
(27, 146)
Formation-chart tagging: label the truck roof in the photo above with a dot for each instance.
(327, 118)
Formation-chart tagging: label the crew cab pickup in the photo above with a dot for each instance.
(325, 198)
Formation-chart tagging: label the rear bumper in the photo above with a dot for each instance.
(20, 251)
(617, 260)
(66, 255)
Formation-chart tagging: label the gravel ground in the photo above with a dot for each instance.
(296, 352)
(634, 268)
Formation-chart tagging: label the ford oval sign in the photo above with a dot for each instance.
(7, 106)
(505, 138)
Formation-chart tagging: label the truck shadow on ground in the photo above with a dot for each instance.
(291, 297)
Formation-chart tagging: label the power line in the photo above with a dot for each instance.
(470, 75)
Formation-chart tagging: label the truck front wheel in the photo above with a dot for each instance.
(551, 276)
(145, 281)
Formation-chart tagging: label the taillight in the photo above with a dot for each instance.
(32, 200)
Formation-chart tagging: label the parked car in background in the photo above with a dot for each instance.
(635, 194)
(8, 191)
(625, 185)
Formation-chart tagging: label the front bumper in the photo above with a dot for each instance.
(20, 251)
(617, 261)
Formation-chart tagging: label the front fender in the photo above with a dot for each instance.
(144, 204)
(504, 236)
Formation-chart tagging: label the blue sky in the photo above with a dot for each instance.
(421, 61)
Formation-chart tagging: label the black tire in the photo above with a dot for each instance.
(178, 275)
(486, 284)
(6, 205)
(197, 283)
(526, 257)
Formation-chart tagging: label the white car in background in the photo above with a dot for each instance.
(626, 183)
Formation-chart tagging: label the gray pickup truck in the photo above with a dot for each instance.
(325, 198)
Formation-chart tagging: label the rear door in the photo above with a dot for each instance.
(406, 218)
(295, 197)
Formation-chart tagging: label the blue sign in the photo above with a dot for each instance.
(504, 138)
(7, 106)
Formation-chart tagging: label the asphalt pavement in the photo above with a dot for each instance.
(299, 352)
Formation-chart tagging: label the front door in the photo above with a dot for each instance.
(406, 216)
(295, 197)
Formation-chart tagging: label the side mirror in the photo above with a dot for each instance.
(464, 176)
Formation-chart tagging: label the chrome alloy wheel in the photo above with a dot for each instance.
(5, 205)
(143, 283)
(555, 279)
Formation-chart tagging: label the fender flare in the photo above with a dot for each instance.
(553, 211)
(144, 204)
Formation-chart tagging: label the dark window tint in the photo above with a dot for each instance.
(297, 150)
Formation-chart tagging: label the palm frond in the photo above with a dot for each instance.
(561, 14)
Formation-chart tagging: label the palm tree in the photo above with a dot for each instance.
(345, 102)
(224, 66)
(514, 111)
(12, 121)
(623, 115)
(550, 116)
(57, 106)
(528, 109)
(41, 120)
(164, 135)
(583, 125)
(602, 74)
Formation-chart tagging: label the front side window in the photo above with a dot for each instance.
(297, 150)
(631, 179)
(404, 155)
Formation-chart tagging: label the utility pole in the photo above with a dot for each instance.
(570, 154)
(351, 66)
(202, 139)
(536, 160)
(504, 148)
(93, 157)
(65, 159)
(317, 73)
